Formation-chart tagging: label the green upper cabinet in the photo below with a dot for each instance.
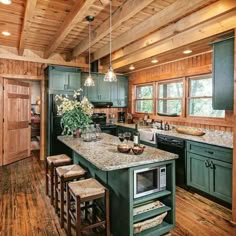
(119, 92)
(116, 92)
(223, 74)
(63, 79)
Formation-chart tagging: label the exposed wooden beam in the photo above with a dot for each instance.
(125, 12)
(76, 15)
(201, 16)
(37, 56)
(29, 12)
(170, 14)
(210, 28)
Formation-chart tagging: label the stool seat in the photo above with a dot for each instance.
(70, 171)
(86, 188)
(58, 159)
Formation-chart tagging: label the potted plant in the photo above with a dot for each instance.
(75, 114)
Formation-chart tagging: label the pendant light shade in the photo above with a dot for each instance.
(89, 80)
(110, 76)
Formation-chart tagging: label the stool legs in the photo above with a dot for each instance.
(52, 174)
(78, 218)
(68, 205)
(62, 203)
(107, 203)
(56, 194)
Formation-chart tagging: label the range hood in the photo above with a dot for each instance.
(102, 104)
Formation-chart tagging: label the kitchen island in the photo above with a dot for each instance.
(116, 171)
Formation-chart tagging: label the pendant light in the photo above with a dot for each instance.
(89, 80)
(110, 76)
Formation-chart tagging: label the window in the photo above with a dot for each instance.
(200, 98)
(170, 97)
(144, 99)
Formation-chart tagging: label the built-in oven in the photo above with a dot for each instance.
(149, 180)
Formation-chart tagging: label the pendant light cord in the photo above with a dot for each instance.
(110, 29)
(89, 46)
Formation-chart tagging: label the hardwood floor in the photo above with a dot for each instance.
(26, 211)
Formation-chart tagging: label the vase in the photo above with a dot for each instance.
(77, 133)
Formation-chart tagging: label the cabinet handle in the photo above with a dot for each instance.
(212, 166)
(207, 164)
(210, 152)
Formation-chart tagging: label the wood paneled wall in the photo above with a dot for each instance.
(195, 65)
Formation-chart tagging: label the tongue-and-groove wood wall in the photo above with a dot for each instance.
(195, 65)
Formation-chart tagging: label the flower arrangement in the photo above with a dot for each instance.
(75, 114)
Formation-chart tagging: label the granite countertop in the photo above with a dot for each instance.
(213, 137)
(104, 155)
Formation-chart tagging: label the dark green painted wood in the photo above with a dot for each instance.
(104, 89)
(90, 92)
(197, 172)
(221, 180)
(123, 87)
(223, 74)
(63, 79)
(151, 213)
(218, 153)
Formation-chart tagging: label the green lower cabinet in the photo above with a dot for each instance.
(209, 174)
(221, 180)
(197, 172)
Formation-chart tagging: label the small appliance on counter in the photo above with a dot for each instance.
(121, 116)
(129, 118)
(112, 118)
(101, 119)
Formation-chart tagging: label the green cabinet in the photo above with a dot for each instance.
(119, 94)
(63, 79)
(210, 170)
(115, 92)
(223, 74)
(101, 92)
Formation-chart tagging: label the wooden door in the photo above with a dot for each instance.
(17, 130)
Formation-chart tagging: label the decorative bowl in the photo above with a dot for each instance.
(137, 150)
(124, 148)
(190, 131)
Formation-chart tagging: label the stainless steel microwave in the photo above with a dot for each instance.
(149, 180)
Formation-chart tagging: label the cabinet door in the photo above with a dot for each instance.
(58, 80)
(223, 74)
(197, 172)
(74, 80)
(122, 91)
(221, 180)
(114, 94)
(104, 89)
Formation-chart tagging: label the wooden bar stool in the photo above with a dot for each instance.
(51, 163)
(84, 191)
(65, 174)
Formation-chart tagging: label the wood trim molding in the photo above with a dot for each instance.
(1, 121)
(43, 120)
(22, 77)
(234, 149)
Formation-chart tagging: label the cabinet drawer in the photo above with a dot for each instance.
(218, 153)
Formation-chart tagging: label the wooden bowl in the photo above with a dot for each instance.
(137, 150)
(124, 148)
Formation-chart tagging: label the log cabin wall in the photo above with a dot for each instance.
(191, 66)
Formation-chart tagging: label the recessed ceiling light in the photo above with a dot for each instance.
(7, 2)
(187, 51)
(131, 67)
(154, 60)
(6, 33)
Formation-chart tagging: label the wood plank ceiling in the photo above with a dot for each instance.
(142, 30)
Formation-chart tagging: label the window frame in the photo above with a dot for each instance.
(144, 99)
(182, 79)
(198, 77)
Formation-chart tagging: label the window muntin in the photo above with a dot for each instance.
(200, 98)
(170, 96)
(144, 99)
